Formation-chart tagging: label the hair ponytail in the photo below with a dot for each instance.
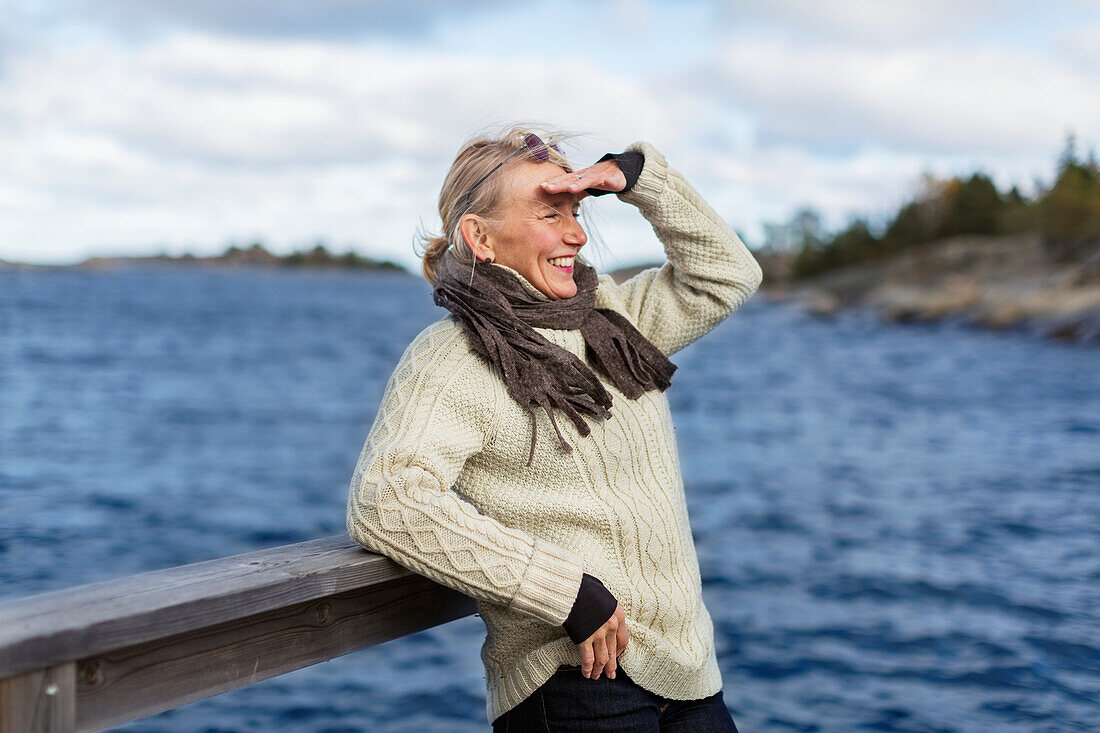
(432, 256)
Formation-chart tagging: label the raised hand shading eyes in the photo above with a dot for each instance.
(604, 176)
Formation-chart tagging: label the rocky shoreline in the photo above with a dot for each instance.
(990, 282)
(995, 282)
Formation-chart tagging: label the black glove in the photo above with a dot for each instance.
(630, 164)
(593, 607)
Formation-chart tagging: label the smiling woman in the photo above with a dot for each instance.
(578, 550)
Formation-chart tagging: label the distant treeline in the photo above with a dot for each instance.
(318, 256)
(1066, 213)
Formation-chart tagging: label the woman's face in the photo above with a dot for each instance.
(538, 227)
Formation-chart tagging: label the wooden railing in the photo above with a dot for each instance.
(99, 655)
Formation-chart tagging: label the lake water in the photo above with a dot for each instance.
(898, 526)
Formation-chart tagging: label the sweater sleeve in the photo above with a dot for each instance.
(437, 410)
(709, 271)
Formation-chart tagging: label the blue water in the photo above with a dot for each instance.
(898, 526)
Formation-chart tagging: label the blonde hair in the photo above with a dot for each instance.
(479, 155)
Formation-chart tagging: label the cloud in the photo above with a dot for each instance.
(318, 19)
(870, 21)
(272, 103)
(128, 126)
(1082, 47)
(197, 139)
(920, 98)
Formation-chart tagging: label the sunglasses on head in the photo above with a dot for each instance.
(533, 144)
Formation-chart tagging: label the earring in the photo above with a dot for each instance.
(488, 260)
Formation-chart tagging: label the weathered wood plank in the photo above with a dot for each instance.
(51, 628)
(148, 678)
(43, 701)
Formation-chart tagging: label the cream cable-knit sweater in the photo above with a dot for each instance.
(441, 485)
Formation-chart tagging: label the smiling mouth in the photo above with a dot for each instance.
(562, 263)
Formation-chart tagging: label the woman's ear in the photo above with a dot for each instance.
(476, 235)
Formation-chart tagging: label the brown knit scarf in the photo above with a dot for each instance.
(500, 314)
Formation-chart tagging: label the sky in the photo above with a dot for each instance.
(133, 128)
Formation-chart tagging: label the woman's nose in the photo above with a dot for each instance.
(575, 234)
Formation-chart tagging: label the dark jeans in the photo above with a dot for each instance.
(570, 702)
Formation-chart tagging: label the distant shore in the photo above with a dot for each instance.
(992, 282)
(255, 256)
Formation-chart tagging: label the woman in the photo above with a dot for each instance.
(573, 533)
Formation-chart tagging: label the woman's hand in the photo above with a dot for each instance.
(605, 176)
(600, 652)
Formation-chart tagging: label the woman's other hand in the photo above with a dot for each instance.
(600, 652)
(605, 176)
